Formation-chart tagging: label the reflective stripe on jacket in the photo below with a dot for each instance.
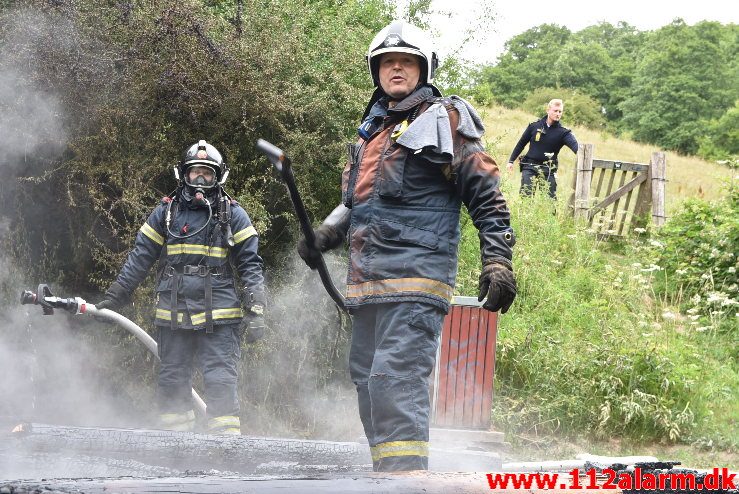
(405, 206)
(207, 248)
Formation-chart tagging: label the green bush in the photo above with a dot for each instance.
(698, 251)
(580, 109)
(587, 348)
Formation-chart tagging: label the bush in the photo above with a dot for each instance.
(580, 109)
(697, 251)
(587, 348)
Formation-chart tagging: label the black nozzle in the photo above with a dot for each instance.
(28, 297)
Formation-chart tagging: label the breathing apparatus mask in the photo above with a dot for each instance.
(201, 172)
(200, 176)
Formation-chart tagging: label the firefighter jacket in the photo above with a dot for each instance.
(196, 273)
(405, 200)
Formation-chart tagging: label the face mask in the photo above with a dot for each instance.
(200, 181)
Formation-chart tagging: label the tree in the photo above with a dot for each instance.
(682, 78)
(527, 63)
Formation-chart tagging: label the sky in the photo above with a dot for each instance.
(512, 17)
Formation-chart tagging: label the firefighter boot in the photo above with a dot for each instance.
(225, 424)
(180, 422)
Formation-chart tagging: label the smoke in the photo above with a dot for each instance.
(55, 371)
(297, 382)
(51, 364)
(32, 112)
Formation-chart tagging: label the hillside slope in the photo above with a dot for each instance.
(687, 176)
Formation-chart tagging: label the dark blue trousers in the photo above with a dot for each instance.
(392, 355)
(528, 172)
(216, 354)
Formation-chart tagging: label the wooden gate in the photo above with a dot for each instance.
(462, 384)
(614, 197)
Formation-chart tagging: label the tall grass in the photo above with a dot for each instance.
(588, 347)
(687, 176)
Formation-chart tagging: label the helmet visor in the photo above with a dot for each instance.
(200, 176)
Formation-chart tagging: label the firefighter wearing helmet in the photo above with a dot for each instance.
(209, 292)
(417, 158)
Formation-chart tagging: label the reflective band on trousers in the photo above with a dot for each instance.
(399, 448)
(225, 424)
(401, 285)
(199, 318)
(180, 422)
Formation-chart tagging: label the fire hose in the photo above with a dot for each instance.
(77, 306)
(283, 165)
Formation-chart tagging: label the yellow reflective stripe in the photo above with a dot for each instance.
(199, 318)
(400, 448)
(383, 287)
(181, 422)
(224, 421)
(197, 249)
(242, 235)
(167, 315)
(147, 230)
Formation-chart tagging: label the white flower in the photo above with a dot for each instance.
(656, 243)
(668, 316)
(703, 328)
(640, 230)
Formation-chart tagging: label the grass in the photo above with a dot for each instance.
(590, 357)
(687, 176)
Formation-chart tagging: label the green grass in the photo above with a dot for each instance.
(687, 176)
(589, 350)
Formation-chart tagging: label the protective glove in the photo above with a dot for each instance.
(498, 283)
(115, 298)
(327, 238)
(253, 324)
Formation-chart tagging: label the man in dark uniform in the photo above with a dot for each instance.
(199, 236)
(417, 158)
(545, 138)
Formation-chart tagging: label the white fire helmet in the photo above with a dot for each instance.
(401, 37)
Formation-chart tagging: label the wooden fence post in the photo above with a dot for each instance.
(658, 167)
(582, 181)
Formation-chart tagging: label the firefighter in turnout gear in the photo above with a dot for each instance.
(206, 245)
(417, 159)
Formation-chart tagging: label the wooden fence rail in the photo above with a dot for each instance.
(609, 211)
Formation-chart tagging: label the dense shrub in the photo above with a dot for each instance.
(580, 109)
(698, 253)
(588, 348)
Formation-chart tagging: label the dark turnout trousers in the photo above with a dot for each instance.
(392, 355)
(543, 172)
(217, 354)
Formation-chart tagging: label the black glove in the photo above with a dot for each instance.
(253, 324)
(115, 298)
(327, 238)
(498, 283)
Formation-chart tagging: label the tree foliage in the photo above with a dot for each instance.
(134, 83)
(666, 87)
(580, 109)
